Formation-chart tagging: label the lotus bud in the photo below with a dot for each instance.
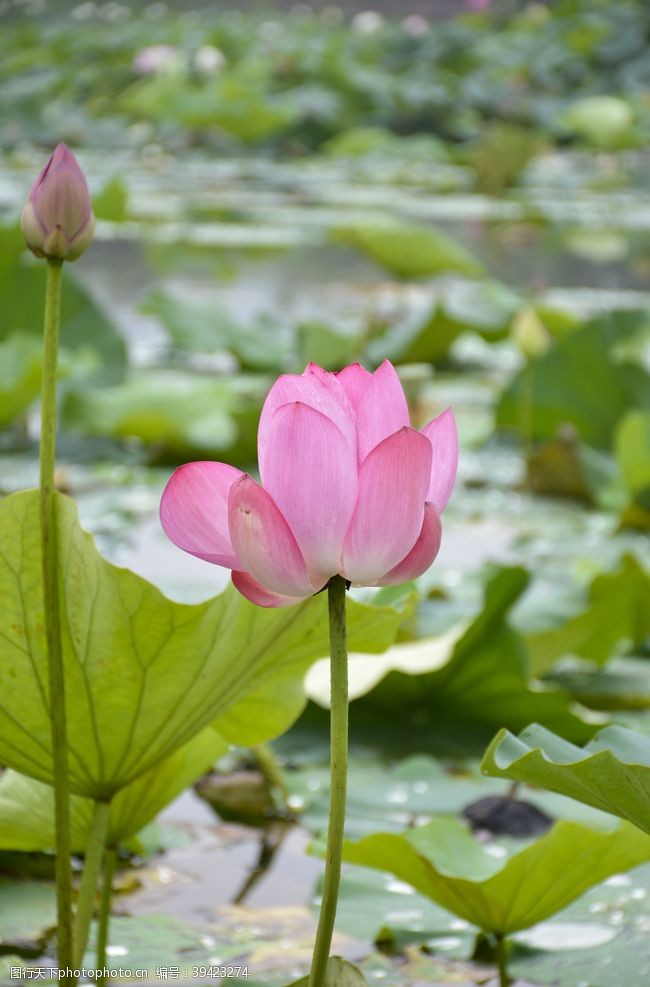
(58, 221)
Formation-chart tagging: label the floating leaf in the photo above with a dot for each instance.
(112, 201)
(502, 894)
(143, 674)
(409, 250)
(28, 910)
(179, 414)
(612, 772)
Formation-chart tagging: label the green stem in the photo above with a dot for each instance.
(269, 765)
(92, 865)
(338, 778)
(52, 616)
(110, 859)
(501, 951)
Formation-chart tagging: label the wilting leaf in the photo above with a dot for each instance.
(612, 772)
(408, 250)
(27, 805)
(143, 674)
(567, 383)
(502, 894)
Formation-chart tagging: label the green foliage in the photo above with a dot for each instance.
(84, 325)
(143, 674)
(482, 681)
(502, 894)
(205, 327)
(20, 375)
(27, 805)
(585, 380)
(632, 447)
(603, 121)
(408, 250)
(177, 414)
(611, 773)
(615, 617)
(339, 973)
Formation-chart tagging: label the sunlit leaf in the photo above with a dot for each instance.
(143, 674)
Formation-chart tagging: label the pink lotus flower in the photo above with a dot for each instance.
(348, 487)
(58, 220)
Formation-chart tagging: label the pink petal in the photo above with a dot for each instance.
(315, 388)
(388, 517)
(263, 540)
(259, 594)
(382, 409)
(310, 471)
(443, 436)
(421, 555)
(355, 380)
(194, 511)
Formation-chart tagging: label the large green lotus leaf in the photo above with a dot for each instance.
(27, 805)
(84, 325)
(502, 894)
(175, 412)
(409, 250)
(612, 772)
(459, 687)
(143, 674)
(566, 384)
(615, 618)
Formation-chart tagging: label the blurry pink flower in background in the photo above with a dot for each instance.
(478, 4)
(348, 487)
(415, 24)
(57, 220)
(155, 58)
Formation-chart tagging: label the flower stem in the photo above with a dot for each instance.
(501, 952)
(338, 778)
(269, 765)
(52, 617)
(110, 859)
(92, 865)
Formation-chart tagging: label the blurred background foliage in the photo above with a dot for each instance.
(460, 188)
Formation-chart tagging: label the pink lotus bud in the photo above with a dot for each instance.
(58, 221)
(348, 487)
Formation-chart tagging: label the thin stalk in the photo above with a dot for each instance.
(269, 765)
(501, 952)
(51, 322)
(92, 866)
(110, 859)
(338, 778)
